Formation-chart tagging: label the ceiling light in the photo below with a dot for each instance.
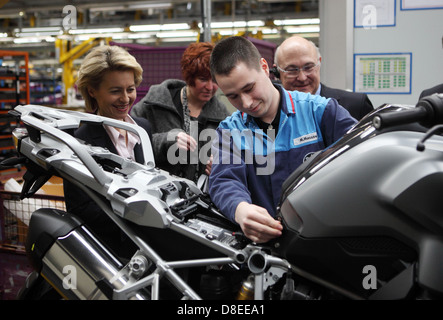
(37, 34)
(147, 27)
(303, 29)
(159, 27)
(236, 24)
(293, 22)
(101, 30)
(130, 6)
(27, 40)
(177, 34)
(42, 31)
(165, 5)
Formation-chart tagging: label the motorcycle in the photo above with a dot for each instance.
(362, 218)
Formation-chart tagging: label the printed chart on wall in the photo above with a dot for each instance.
(383, 73)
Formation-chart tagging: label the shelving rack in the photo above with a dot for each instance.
(14, 90)
(45, 86)
(14, 79)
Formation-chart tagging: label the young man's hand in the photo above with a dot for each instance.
(256, 223)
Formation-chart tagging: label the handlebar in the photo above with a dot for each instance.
(428, 111)
(73, 144)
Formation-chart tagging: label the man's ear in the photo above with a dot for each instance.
(264, 65)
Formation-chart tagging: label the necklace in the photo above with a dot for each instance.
(194, 110)
(187, 125)
(270, 126)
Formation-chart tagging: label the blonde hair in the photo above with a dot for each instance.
(97, 62)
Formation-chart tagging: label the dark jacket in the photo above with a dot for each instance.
(96, 135)
(166, 117)
(358, 104)
(80, 204)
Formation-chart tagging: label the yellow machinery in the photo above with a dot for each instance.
(67, 55)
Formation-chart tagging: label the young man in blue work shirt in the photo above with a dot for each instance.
(263, 142)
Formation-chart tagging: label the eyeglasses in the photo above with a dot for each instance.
(294, 72)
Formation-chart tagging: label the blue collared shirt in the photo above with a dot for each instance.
(251, 166)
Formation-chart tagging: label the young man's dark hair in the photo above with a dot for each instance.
(240, 50)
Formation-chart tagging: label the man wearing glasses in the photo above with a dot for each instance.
(297, 64)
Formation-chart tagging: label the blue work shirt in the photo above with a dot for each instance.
(251, 166)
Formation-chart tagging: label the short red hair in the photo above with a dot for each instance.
(195, 62)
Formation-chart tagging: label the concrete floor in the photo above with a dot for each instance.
(14, 268)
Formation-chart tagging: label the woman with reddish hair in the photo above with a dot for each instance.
(179, 111)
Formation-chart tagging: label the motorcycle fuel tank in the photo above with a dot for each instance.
(359, 205)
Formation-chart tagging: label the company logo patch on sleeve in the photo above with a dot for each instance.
(306, 138)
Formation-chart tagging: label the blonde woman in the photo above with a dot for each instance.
(107, 80)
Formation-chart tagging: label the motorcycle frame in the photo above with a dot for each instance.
(49, 123)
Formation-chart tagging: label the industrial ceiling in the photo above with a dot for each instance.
(16, 15)
(33, 26)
